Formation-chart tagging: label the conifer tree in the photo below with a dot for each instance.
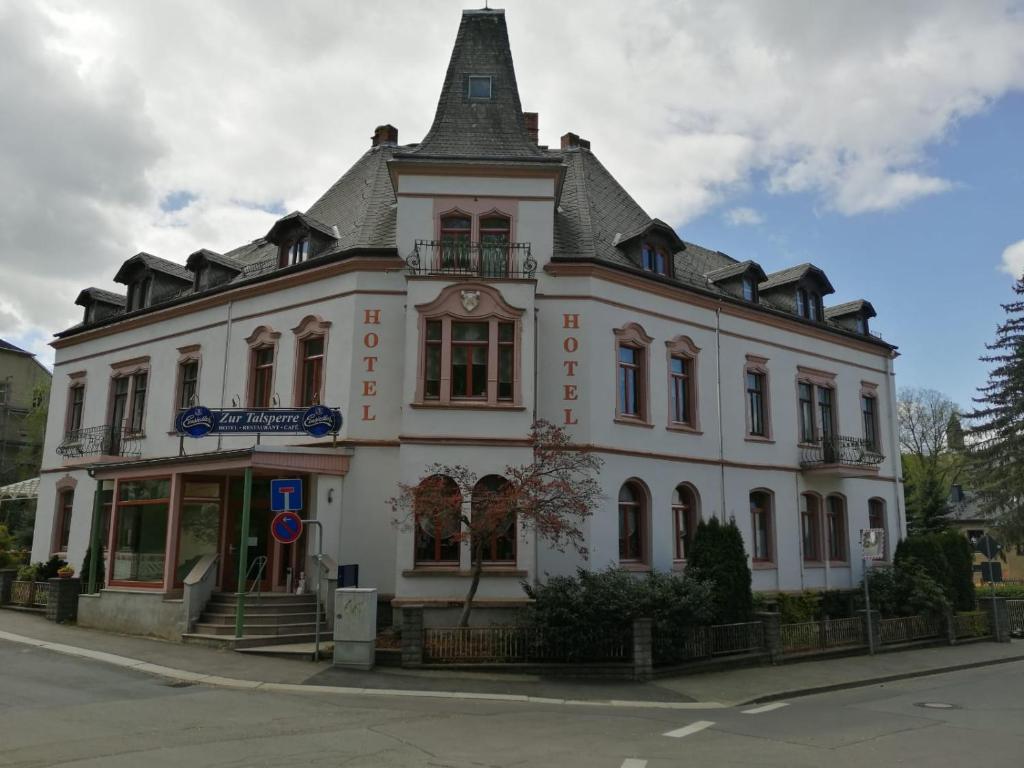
(996, 436)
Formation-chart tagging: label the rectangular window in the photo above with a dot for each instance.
(312, 370)
(138, 409)
(756, 404)
(749, 290)
(682, 407)
(4, 392)
(140, 536)
(806, 397)
(188, 383)
(76, 402)
(479, 87)
(760, 518)
(869, 412)
(876, 519)
(811, 529)
(67, 501)
(262, 375)
(825, 413)
(506, 360)
(469, 360)
(199, 530)
(432, 367)
(629, 381)
(836, 530)
(654, 260)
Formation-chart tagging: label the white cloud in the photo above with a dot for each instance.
(111, 105)
(1013, 259)
(739, 217)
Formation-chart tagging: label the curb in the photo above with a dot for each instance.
(798, 692)
(216, 681)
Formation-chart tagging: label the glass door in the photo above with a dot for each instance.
(258, 540)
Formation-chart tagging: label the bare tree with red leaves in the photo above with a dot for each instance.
(552, 497)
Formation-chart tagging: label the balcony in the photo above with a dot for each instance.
(466, 259)
(105, 440)
(839, 455)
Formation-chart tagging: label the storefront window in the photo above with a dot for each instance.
(140, 538)
(200, 524)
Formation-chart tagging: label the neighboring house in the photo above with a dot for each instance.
(21, 377)
(445, 294)
(966, 515)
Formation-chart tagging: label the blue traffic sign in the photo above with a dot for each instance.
(286, 495)
(286, 527)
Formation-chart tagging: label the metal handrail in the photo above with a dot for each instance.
(257, 581)
(107, 439)
(840, 449)
(469, 259)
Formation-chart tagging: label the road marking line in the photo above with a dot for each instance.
(765, 708)
(686, 730)
(632, 762)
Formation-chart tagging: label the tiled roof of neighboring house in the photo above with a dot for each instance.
(156, 264)
(98, 294)
(23, 489)
(466, 128)
(851, 308)
(6, 346)
(215, 258)
(792, 275)
(966, 507)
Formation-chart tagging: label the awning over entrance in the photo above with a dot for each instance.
(322, 461)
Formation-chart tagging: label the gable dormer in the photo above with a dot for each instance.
(852, 316)
(651, 247)
(299, 237)
(210, 269)
(151, 280)
(740, 279)
(798, 290)
(100, 304)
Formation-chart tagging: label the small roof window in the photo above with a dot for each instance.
(479, 86)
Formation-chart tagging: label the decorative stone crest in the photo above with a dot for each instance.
(470, 300)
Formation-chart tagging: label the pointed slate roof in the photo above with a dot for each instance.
(156, 264)
(794, 274)
(735, 270)
(851, 308)
(88, 295)
(479, 129)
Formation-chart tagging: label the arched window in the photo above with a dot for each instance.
(836, 528)
(495, 236)
(456, 234)
(761, 526)
(437, 505)
(810, 527)
(491, 502)
(632, 501)
(685, 517)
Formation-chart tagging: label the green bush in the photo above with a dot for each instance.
(41, 571)
(960, 559)
(837, 604)
(6, 547)
(919, 594)
(101, 569)
(795, 609)
(718, 557)
(1009, 591)
(28, 573)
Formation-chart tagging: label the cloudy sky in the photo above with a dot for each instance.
(881, 141)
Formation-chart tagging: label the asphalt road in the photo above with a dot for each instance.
(61, 711)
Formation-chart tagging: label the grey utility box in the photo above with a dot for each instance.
(355, 627)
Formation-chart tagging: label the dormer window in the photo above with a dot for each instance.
(295, 252)
(138, 293)
(813, 306)
(654, 260)
(808, 304)
(480, 87)
(749, 290)
(861, 324)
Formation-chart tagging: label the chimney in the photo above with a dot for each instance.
(532, 126)
(384, 135)
(572, 141)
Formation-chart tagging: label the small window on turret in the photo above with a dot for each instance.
(479, 87)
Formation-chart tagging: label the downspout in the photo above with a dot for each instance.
(799, 529)
(718, 389)
(536, 318)
(894, 437)
(224, 371)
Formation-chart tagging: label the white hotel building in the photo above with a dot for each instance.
(444, 295)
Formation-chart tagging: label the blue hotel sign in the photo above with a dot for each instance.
(315, 421)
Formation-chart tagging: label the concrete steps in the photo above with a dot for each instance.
(271, 619)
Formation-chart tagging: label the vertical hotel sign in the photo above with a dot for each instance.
(370, 342)
(570, 389)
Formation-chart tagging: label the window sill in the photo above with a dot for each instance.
(467, 405)
(633, 422)
(684, 429)
(759, 439)
(488, 570)
(813, 564)
(635, 566)
(763, 565)
(678, 565)
(838, 563)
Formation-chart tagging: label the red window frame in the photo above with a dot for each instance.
(188, 382)
(835, 529)
(810, 528)
(312, 366)
(630, 382)
(262, 373)
(471, 347)
(684, 520)
(431, 545)
(65, 509)
(682, 389)
(503, 543)
(761, 527)
(76, 404)
(631, 546)
(432, 361)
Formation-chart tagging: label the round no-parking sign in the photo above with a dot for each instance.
(286, 527)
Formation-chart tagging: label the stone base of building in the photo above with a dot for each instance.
(132, 613)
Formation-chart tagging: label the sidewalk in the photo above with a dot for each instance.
(726, 688)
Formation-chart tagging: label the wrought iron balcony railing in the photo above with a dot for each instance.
(837, 450)
(105, 440)
(465, 259)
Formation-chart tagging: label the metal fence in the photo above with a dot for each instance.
(482, 645)
(1015, 610)
(822, 635)
(30, 593)
(909, 629)
(708, 642)
(971, 624)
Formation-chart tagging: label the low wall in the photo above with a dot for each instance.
(132, 613)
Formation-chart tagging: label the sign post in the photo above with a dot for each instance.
(243, 553)
(990, 548)
(872, 544)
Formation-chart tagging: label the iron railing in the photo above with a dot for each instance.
(483, 645)
(708, 642)
(909, 629)
(105, 440)
(1015, 611)
(30, 593)
(466, 259)
(971, 624)
(840, 450)
(822, 635)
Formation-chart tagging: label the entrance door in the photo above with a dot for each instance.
(259, 541)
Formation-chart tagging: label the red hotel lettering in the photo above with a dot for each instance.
(570, 344)
(370, 361)
(367, 416)
(371, 317)
(369, 388)
(570, 321)
(570, 367)
(569, 418)
(569, 392)
(370, 340)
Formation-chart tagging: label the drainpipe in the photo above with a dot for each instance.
(224, 371)
(895, 438)
(799, 529)
(536, 319)
(718, 389)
